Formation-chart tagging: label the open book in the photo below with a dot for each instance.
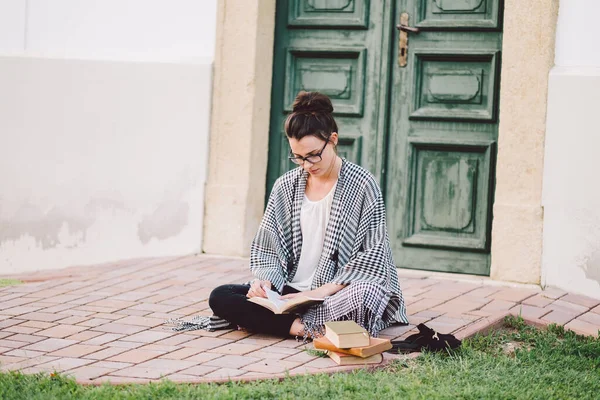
(275, 303)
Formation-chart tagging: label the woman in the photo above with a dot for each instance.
(323, 234)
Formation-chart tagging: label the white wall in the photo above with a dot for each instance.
(571, 196)
(577, 34)
(136, 30)
(104, 117)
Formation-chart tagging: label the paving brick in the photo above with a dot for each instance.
(484, 291)
(142, 321)
(8, 365)
(301, 357)
(462, 304)
(235, 348)
(24, 353)
(236, 335)
(112, 303)
(580, 300)
(223, 373)
(553, 293)
(206, 343)
(51, 344)
(8, 360)
(423, 304)
(289, 343)
(112, 317)
(126, 345)
(76, 350)
(498, 305)
(20, 310)
(583, 327)
(106, 353)
(136, 356)
(73, 320)
(203, 357)
(261, 340)
(85, 335)
(515, 295)
(112, 364)
(559, 317)
(529, 312)
(10, 322)
(12, 344)
(271, 366)
(20, 329)
(61, 331)
(168, 365)
(93, 322)
(591, 318)
(178, 338)
(148, 336)
(59, 365)
(321, 362)
(158, 347)
(539, 300)
(181, 354)
(565, 306)
(122, 329)
(38, 324)
(132, 296)
(20, 337)
(42, 316)
(120, 380)
(104, 338)
(596, 310)
(89, 372)
(232, 361)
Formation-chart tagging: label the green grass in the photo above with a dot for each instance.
(546, 364)
(9, 282)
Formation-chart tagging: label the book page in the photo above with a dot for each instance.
(275, 298)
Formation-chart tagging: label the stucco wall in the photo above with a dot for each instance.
(104, 118)
(571, 196)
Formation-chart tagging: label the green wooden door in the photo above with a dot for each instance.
(340, 48)
(442, 135)
(426, 126)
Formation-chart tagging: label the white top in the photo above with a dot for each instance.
(314, 217)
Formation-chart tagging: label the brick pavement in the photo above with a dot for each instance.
(106, 322)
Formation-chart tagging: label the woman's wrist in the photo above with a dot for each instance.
(329, 289)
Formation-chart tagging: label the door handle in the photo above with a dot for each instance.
(406, 28)
(403, 39)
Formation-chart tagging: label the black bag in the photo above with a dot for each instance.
(426, 339)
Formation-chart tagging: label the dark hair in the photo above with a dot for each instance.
(311, 115)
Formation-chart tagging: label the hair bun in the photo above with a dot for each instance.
(312, 102)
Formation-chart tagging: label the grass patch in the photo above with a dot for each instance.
(543, 364)
(9, 282)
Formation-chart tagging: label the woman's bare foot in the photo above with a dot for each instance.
(297, 328)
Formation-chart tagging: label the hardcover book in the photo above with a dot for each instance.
(346, 359)
(346, 334)
(275, 303)
(375, 346)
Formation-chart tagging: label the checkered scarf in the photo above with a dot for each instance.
(356, 252)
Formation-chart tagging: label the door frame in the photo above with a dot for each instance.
(516, 249)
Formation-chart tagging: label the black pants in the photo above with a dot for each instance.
(230, 302)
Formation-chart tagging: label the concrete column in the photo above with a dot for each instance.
(571, 195)
(527, 57)
(240, 125)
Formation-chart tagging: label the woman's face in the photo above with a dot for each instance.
(311, 145)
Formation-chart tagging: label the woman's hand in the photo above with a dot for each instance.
(256, 288)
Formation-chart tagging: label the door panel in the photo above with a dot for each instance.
(442, 136)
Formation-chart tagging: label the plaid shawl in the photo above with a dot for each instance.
(356, 252)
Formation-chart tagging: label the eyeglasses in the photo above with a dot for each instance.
(313, 158)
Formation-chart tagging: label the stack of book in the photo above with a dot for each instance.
(347, 343)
